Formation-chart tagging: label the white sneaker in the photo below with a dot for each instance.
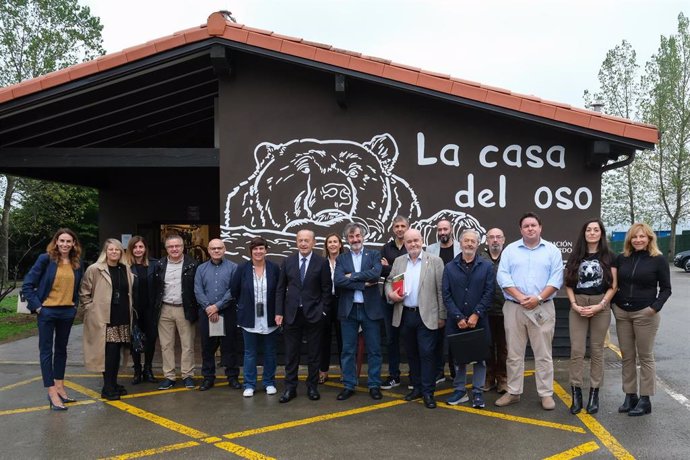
(248, 392)
(271, 390)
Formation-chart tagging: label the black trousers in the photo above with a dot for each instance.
(228, 347)
(330, 322)
(112, 366)
(293, 334)
(420, 346)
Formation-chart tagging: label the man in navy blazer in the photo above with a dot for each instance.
(302, 296)
(357, 276)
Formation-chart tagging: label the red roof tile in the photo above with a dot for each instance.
(298, 49)
(218, 25)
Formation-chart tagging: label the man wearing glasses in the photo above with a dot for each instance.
(212, 291)
(176, 310)
(496, 376)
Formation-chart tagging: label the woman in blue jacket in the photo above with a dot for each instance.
(51, 290)
(254, 286)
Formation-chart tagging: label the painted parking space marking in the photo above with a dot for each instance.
(577, 451)
(200, 437)
(515, 418)
(242, 451)
(595, 427)
(158, 420)
(43, 407)
(309, 420)
(154, 451)
(18, 384)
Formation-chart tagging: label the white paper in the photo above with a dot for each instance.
(217, 329)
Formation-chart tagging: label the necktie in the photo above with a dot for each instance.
(303, 269)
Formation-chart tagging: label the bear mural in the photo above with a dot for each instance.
(318, 183)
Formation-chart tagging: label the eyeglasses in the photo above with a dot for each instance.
(173, 246)
(217, 249)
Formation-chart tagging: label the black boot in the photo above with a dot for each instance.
(148, 375)
(643, 406)
(136, 380)
(629, 403)
(593, 403)
(576, 406)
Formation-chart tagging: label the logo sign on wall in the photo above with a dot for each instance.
(326, 183)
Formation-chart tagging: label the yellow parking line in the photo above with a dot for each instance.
(575, 452)
(155, 451)
(18, 384)
(155, 393)
(242, 451)
(82, 389)
(158, 420)
(318, 418)
(615, 349)
(514, 418)
(24, 410)
(595, 427)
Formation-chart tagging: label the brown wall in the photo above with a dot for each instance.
(270, 106)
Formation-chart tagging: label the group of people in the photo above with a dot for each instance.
(504, 294)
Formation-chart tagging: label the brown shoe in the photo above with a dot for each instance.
(502, 386)
(507, 399)
(548, 403)
(489, 383)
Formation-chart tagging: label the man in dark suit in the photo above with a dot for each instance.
(304, 287)
(356, 276)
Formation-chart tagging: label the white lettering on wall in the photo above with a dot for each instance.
(485, 197)
(455, 159)
(543, 198)
(421, 159)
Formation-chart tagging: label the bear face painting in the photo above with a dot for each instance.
(326, 183)
(323, 183)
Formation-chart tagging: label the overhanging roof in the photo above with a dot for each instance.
(162, 93)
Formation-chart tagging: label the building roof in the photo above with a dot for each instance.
(218, 26)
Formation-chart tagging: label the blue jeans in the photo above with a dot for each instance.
(392, 341)
(478, 376)
(54, 326)
(372, 337)
(251, 348)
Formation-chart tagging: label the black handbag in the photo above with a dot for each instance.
(138, 336)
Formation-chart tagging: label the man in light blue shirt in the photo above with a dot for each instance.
(212, 292)
(530, 273)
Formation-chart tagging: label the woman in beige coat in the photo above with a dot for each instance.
(106, 297)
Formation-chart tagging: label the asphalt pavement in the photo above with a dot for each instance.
(220, 423)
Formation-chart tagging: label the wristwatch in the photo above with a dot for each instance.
(540, 299)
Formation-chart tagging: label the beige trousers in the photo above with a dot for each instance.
(519, 329)
(636, 332)
(172, 319)
(598, 326)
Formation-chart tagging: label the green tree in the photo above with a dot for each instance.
(41, 208)
(667, 105)
(619, 94)
(38, 37)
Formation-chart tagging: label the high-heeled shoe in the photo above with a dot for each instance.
(55, 406)
(66, 399)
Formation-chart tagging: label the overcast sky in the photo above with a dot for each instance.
(549, 48)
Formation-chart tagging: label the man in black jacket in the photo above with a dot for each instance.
(302, 296)
(177, 310)
(391, 251)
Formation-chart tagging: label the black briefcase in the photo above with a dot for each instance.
(469, 346)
